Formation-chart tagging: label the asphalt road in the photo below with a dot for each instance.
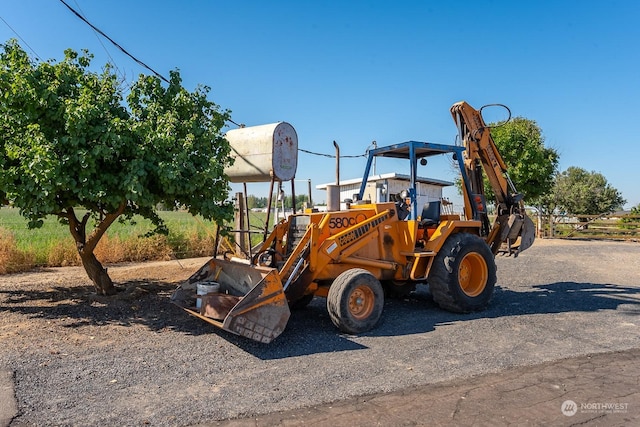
(559, 299)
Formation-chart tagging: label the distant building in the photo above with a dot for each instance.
(380, 187)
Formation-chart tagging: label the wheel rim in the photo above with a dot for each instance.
(472, 274)
(361, 302)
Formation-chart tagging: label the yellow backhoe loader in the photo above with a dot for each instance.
(354, 257)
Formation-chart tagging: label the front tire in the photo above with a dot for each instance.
(463, 274)
(355, 301)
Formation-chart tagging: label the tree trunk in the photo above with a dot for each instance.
(97, 273)
(85, 246)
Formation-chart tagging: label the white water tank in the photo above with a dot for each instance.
(263, 152)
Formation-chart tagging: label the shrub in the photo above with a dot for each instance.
(13, 260)
(63, 253)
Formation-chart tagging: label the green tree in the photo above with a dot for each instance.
(300, 201)
(579, 192)
(71, 142)
(256, 202)
(531, 165)
(633, 219)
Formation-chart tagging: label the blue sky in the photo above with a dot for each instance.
(359, 71)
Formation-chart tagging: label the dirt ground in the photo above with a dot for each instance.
(66, 293)
(55, 288)
(135, 359)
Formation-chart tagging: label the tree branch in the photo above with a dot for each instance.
(102, 227)
(77, 231)
(85, 218)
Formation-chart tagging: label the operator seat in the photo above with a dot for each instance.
(430, 214)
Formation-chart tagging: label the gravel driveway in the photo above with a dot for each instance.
(79, 359)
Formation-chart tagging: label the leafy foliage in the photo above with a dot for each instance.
(531, 165)
(256, 202)
(301, 199)
(577, 191)
(70, 140)
(261, 202)
(633, 220)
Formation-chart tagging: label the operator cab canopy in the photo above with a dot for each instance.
(411, 150)
(420, 149)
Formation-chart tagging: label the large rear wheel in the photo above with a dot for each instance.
(463, 274)
(355, 301)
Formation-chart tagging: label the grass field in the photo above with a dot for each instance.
(52, 231)
(21, 249)
(52, 245)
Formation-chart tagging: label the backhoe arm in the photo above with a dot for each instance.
(482, 155)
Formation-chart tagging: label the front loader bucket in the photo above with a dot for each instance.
(237, 297)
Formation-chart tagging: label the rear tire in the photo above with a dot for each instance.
(463, 274)
(355, 301)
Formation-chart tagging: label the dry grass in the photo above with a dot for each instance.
(137, 249)
(110, 250)
(13, 260)
(191, 245)
(63, 254)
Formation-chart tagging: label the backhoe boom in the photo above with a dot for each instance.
(512, 225)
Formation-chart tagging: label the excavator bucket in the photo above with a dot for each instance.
(527, 234)
(517, 233)
(237, 297)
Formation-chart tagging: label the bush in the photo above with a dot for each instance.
(63, 253)
(190, 245)
(13, 260)
(632, 221)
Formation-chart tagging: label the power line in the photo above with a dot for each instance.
(331, 156)
(123, 50)
(21, 39)
(241, 125)
(99, 31)
(122, 75)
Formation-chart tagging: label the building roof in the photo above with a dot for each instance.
(391, 175)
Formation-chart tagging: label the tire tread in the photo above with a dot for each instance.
(443, 289)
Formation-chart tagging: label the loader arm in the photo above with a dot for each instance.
(512, 226)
